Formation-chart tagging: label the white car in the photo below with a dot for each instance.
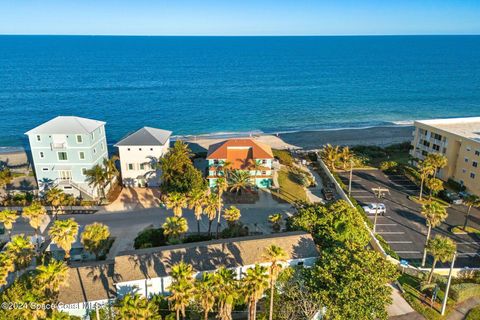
(373, 208)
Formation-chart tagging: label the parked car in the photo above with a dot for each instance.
(373, 208)
(328, 194)
(450, 197)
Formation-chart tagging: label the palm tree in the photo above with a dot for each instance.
(275, 255)
(253, 287)
(330, 155)
(174, 227)
(6, 266)
(434, 214)
(435, 185)
(63, 234)
(96, 177)
(110, 167)
(134, 306)
(8, 218)
(94, 237)
(181, 288)
(52, 277)
(211, 210)
(55, 198)
(221, 186)
(232, 215)
(346, 156)
(276, 221)
(442, 249)
(205, 292)
(425, 170)
(239, 180)
(177, 202)
(20, 250)
(437, 161)
(470, 201)
(35, 213)
(226, 293)
(196, 201)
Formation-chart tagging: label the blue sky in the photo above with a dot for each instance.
(235, 17)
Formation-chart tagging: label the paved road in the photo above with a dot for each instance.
(125, 225)
(403, 227)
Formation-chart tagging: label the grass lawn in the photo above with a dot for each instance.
(290, 190)
(376, 155)
(459, 230)
(419, 302)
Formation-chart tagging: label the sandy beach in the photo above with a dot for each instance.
(379, 136)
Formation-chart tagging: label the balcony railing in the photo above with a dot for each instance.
(58, 145)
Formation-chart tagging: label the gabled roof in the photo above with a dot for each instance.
(88, 283)
(146, 136)
(210, 255)
(67, 125)
(258, 150)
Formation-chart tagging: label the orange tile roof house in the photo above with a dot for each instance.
(241, 154)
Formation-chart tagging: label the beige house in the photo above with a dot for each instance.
(457, 139)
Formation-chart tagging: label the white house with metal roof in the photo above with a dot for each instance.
(139, 153)
(63, 149)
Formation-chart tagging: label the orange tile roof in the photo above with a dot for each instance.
(229, 149)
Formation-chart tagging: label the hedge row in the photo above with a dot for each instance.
(463, 291)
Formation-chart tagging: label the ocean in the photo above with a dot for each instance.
(227, 85)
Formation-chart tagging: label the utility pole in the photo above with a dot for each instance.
(379, 193)
(350, 181)
(445, 298)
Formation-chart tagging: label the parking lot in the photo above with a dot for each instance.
(403, 227)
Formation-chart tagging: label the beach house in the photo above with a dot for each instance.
(241, 154)
(147, 271)
(63, 149)
(459, 140)
(139, 154)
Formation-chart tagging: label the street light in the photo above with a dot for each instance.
(445, 298)
(379, 193)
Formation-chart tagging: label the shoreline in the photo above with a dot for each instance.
(315, 139)
(309, 139)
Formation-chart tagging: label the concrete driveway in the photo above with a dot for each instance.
(135, 198)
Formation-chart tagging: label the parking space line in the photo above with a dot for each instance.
(360, 191)
(387, 224)
(394, 242)
(468, 254)
(370, 196)
(469, 242)
(391, 232)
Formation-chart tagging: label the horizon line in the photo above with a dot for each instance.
(241, 35)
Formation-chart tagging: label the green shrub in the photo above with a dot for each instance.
(463, 291)
(235, 230)
(150, 238)
(388, 166)
(283, 156)
(454, 185)
(196, 238)
(473, 314)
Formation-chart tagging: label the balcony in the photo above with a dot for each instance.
(58, 145)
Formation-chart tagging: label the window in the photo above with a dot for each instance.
(472, 175)
(477, 152)
(444, 150)
(426, 143)
(466, 160)
(215, 161)
(128, 149)
(42, 155)
(264, 172)
(151, 149)
(300, 263)
(67, 188)
(130, 166)
(264, 161)
(79, 138)
(469, 148)
(436, 147)
(102, 146)
(464, 170)
(437, 136)
(62, 156)
(44, 169)
(84, 171)
(92, 135)
(142, 166)
(475, 164)
(424, 153)
(94, 150)
(39, 138)
(81, 155)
